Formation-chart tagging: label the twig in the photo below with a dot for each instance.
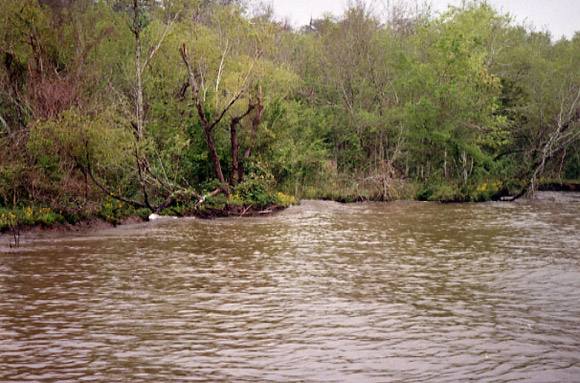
(246, 209)
(212, 194)
(16, 234)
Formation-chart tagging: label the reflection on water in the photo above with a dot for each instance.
(404, 291)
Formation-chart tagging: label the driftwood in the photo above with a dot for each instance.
(212, 194)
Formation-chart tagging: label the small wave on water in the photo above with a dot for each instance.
(322, 292)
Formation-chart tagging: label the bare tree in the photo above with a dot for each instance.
(140, 66)
(566, 132)
(209, 126)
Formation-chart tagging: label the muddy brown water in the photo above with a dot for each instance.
(322, 292)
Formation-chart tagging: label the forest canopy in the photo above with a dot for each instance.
(158, 102)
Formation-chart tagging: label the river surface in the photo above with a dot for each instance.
(322, 292)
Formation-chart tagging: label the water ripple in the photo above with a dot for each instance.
(323, 292)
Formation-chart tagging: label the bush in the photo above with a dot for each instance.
(143, 212)
(10, 182)
(8, 220)
(285, 200)
(113, 210)
(447, 192)
(258, 186)
(29, 216)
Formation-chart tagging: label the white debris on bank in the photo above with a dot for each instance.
(154, 217)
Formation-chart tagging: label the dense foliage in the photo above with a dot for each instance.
(157, 103)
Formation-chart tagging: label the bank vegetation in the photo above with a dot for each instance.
(117, 107)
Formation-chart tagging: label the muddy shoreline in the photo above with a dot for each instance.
(11, 238)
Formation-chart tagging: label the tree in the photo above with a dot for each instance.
(552, 111)
(208, 127)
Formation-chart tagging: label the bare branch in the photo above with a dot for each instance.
(156, 48)
(202, 84)
(219, 75)
(212, 194)
(573, 106)
(206, 126)
(255, 123)
(105, 189)
(194, 86)
(5, 124)
(237, 95)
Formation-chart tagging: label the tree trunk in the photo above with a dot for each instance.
(257, 118)
(235, 151)
(255, 123)
(204, 122)
(139, 107)
(215, 159)
(140, 110)
(445, 165)
(237, 168)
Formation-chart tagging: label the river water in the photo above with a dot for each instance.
(322, 292)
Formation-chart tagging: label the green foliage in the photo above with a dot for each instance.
(257, 188)
(355, 107)
(453, 191)
(444, 192)
(99, 143)
(8, 220)
(113, 211)
(88, 139)
(143, 213)
(29, 216)
(11, 180)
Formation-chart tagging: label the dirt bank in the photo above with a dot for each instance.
(13, 237)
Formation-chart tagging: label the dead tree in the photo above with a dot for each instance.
(567, 132)
(237, 169)
(256, 119)
(140, 66)
(208, 127)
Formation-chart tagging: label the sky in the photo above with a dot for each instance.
(560, 17)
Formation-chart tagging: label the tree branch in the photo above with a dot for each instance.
(212, 194)
(5, 124)
(206, 126)
(255, 123)
(194, 86)
(154, 49)
(219, 75)
(237, 95)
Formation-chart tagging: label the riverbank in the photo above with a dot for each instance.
(440, 191)
(110, 213)
(22, 222)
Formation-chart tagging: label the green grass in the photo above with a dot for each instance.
(29, 216)
(109, 210)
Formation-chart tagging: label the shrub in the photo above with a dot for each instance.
(257, 188)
